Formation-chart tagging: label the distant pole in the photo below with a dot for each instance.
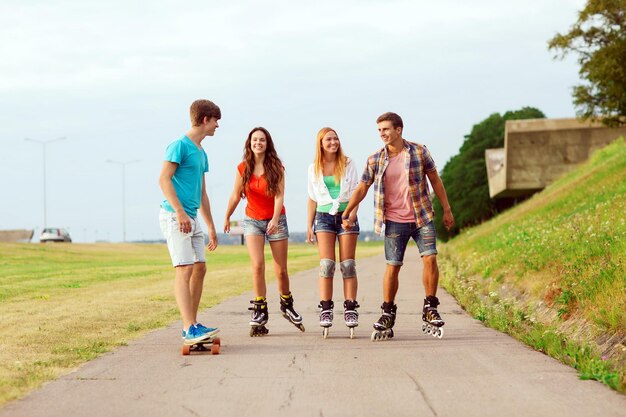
(123, 164)
(43, 146)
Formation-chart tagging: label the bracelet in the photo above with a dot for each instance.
(345, 217)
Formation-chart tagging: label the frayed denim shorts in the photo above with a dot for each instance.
(397, 236)
(331, 223)
(254, 227)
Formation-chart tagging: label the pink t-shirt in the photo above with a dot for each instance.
(398, 205)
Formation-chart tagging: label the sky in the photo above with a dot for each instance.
(116, 79)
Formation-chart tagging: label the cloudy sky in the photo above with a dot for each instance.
(116, 79)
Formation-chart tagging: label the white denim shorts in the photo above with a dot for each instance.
(185, 248)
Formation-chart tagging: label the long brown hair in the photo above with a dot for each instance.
(272, 165)
(340, 162)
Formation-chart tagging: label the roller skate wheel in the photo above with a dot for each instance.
(374, 336)
(424, 327)
(325, 332)
(186, 350)
(258, 331)
(440, 333)
(301, 327)
(351, 332)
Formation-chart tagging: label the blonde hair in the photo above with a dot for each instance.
(340, 163)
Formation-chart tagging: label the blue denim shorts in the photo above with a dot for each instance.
(397, 236)
(331, 223)
(253, 227)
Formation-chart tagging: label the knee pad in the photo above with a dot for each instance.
(348, 268)
(327, 268)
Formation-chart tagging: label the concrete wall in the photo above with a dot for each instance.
(538, 151)
(21, 235)
(494, 158)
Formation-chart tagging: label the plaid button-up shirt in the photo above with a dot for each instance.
(417, 162)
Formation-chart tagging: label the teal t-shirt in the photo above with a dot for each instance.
(333, 190)
(192, 164)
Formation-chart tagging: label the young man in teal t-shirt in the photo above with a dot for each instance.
(182, 182)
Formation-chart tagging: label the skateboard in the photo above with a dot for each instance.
(201, 346)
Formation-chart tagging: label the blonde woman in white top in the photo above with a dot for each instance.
(331, 180)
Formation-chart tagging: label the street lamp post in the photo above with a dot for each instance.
(123, 164)
(43, 146)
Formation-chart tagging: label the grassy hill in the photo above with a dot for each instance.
(552, 271)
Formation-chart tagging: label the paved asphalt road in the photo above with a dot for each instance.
(472, 371)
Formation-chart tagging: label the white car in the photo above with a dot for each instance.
(54, 234)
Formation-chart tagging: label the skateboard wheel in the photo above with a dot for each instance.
(186, 350)
(215, 348)
(217, 341)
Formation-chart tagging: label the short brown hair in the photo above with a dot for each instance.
(396, 121)
(201, 108)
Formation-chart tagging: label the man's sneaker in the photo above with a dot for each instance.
(195, 335)
(210, 331)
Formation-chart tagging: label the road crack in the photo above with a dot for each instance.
(422, 393)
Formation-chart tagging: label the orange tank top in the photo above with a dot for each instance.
(260, 205)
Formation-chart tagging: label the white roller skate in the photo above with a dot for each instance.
(326, 316)
(350, 315)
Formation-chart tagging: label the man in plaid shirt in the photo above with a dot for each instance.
(403, 210)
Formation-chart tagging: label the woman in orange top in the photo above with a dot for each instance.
(260, 179)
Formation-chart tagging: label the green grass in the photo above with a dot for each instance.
(102, 295)
(552, 271)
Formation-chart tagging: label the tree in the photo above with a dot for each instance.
(465, 174)
(599, 38)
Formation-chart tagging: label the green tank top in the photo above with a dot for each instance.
(333, 189)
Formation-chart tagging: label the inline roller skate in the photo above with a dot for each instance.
(432, 323)
(286, 306)
(259, 317)
(383, 328)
